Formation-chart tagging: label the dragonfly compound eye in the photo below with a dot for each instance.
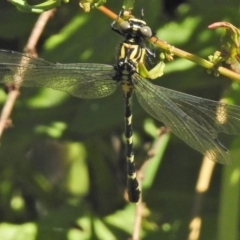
(124, 26)
(146, 32)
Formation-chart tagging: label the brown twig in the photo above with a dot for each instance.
(37, 31)
(178, 52)
(13, 91)
(138, 219)
(108, 12)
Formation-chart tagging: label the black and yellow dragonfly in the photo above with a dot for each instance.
(195, 120)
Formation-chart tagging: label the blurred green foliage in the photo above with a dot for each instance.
(62, 166)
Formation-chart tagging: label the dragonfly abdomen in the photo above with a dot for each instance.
(125, 69)
(132, 183)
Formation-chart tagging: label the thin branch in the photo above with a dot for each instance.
(193, 58)
(37, 31)
(178, 52)
(138, 219)
(7, 108)
(13, 91)
(108, 12)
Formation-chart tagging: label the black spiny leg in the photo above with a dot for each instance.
(114, 23)
(132, 183)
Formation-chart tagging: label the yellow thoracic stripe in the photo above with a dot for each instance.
(132, 52)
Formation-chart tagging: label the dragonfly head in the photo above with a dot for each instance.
(134, 27)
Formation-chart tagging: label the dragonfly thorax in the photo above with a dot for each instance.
(132, 54)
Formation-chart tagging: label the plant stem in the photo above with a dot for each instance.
(178, 52)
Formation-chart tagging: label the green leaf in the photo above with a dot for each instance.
(128, 4)
(159, 148)
(23, 6)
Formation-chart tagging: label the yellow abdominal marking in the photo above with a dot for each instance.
(129, 140)
(129, 120)
(130, 159)
(133, 176)
(126, 88)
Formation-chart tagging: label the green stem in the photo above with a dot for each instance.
(193, 58)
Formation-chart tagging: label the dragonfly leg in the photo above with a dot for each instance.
(113, 24)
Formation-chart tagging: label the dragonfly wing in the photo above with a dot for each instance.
(157, 103)
(83, 80)
(215, 116)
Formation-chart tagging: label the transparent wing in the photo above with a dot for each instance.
(84, 80)
(215, 116)
(195, 120)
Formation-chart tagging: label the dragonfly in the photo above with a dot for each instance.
(197, 121)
